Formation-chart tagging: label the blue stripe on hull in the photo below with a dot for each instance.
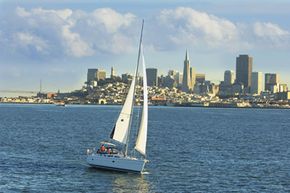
(115, 169)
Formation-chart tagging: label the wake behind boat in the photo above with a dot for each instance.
(109, 156)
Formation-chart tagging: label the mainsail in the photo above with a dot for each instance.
(142, 134)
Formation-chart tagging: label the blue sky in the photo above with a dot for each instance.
(57, 41)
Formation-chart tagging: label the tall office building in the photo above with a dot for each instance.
(244, 65)
(192, 77)
(169, 82)
(152, 79)
(126, 78)
(186, 82)
(257, 83)
(113, 72)
(229, 77)
(271, 80)
(91, 75)
(200, 78)
(178, 78)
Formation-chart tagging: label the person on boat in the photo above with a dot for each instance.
(109, 151)
(103, 149)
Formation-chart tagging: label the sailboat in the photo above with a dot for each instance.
(108, 156)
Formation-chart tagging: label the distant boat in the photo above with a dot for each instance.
(62, 104)
(108, 156)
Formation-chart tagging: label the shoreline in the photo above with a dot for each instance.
(186, 106)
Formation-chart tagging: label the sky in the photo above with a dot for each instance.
(56, 41)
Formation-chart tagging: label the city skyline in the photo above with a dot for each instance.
(48, 40)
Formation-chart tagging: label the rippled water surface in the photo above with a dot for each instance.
(42, 149)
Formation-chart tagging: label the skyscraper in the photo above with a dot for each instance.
(271, 80)
(178, 78)
(91, 75)
(257, 83)
(186, 82)
(113, 72)
(200, 78)
(192, 77)
(152, 79)
(244, 65)
(229, 77)
(169, 82)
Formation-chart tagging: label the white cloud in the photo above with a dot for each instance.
(269, 30)
(26, 40)
(67, 33)
(190, 26)
(20, 11)
(111, 19)
(187, 27)
(74, 45)
(62, 33)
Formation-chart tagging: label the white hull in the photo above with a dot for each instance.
(116, 162)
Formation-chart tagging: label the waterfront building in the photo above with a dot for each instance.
(213, 89)
(229, 77)
(91, 75)
(160, 81)
(244, 64)
(93, 84)
(200, 78)
(283, 88)
(152, 78)
(178, 78)
(126, 78)
(271, 82)
(225, 91)
(95, 75)
(283, 95)
(274, 88)
(257, 83)
(186, 82)
(226, 86)
(169, 82)
(237, 88)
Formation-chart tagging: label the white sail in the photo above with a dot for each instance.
(120, 131)
(142, 134)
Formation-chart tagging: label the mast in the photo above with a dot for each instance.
(136, 74)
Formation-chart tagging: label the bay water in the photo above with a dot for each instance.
(43, 149)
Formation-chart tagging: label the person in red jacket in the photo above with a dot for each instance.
(103, 149)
